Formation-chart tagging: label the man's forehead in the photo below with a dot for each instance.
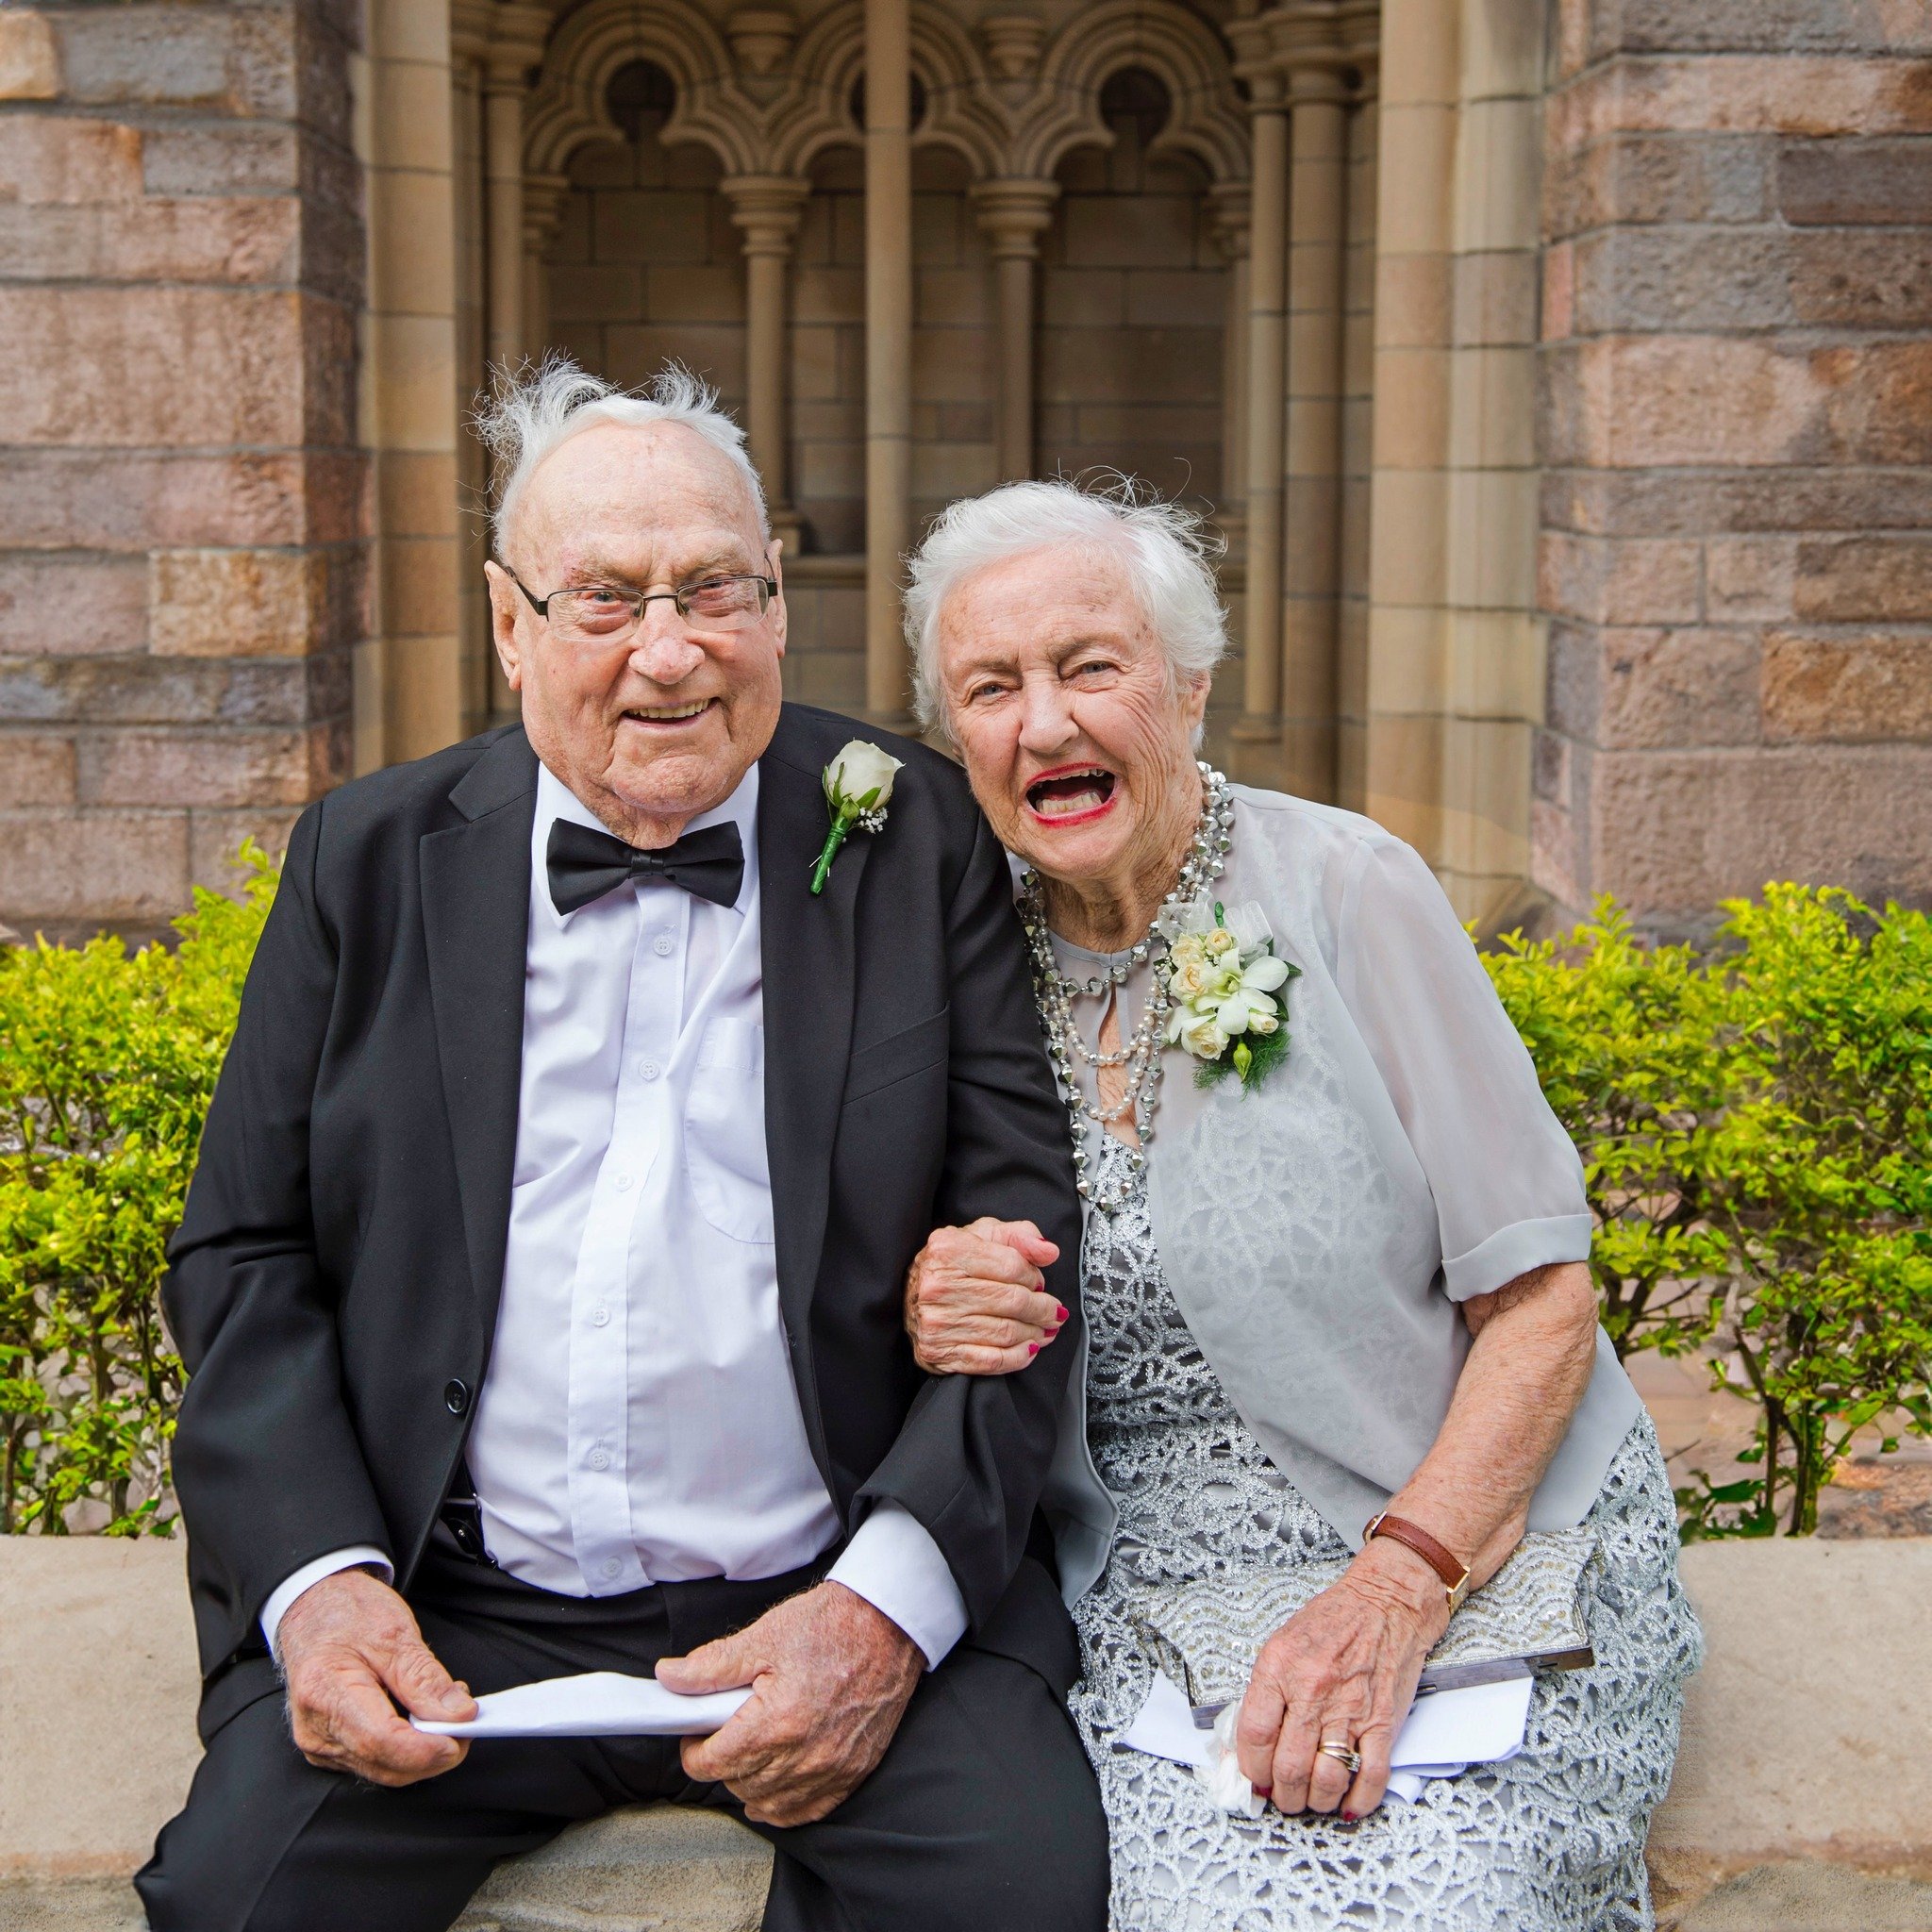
(657, 481)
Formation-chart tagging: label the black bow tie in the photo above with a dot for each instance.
(585, 863)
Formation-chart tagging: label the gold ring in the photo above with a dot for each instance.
(1343, 1754)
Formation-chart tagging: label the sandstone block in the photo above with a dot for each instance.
(1675, 831)
(239, 61)
(1748, 577)
(1812, 95)
(29, 62)
(1118, 231)
(691, 292)
(71, 605)
(235, 603)
(590, 294)
(46, 158)
(218, 158)
(1175, 298)
(1772, 27)
(827, 295)
(62, 866)
(1649, 686)
(1875, 278)
(1855, 579)
(1871, 687)
(1682, 280)
(1494, 298)
(637, 352)
(229, 768)
(644, 226)
(1853, 180)
(952, 364)
(1627, 580)
(210, 239)
(36, 768)
(137, 368)
(1659, 503)
(214, 838)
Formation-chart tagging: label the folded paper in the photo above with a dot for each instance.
(602, 1703)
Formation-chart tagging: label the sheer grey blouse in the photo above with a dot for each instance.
(1318, 1232)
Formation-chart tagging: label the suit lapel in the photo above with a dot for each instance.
(807, 947)
(476, 882)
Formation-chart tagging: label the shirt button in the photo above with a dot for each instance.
(662, 944)
(598, 1458)
(600, 1318)
(647, 1070)
(612, 1567)
(624, 1183)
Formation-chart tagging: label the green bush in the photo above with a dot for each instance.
(1755, 1120)
(106, 1065)
(1755, 1125)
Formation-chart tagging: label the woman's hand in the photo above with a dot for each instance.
(975, 1300)
(1343, 1669)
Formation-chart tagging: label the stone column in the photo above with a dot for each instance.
(544, 198)
(1317, 99)
(516, 45)
(1228, 207)
(1360, 32)
(1014, 215)
(484, 691)
(1259, 721)
(887, 350)
(767, 209)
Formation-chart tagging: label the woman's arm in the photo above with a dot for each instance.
(1345, 1667)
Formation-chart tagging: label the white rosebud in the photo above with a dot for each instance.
(861, 769)
(1219, 941)
(1204, 1038)
(1259, 1021)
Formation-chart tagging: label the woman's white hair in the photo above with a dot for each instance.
(1165, 547)
(532, 412)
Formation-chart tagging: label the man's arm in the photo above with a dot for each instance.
(266, 1462)
(971, 1457)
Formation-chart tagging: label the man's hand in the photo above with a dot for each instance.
(830, 1680)
(348, 1645)
(976, 1301)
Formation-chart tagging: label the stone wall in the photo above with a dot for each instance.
(181, 499)
(1737, 515)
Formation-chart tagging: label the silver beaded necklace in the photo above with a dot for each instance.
(1055, 992)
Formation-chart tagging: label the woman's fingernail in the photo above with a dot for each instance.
(1059, 1314)
(1033, 1348)
(1351, 1817)
(1264, 1791)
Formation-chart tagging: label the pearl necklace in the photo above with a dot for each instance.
(1053, 993)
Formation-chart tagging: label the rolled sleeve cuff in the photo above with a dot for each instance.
(1515, 1250)
(893, 1563)
(285, 1593)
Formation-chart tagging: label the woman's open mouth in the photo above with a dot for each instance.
(1071, 794)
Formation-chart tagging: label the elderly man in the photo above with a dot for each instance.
(542, 1279)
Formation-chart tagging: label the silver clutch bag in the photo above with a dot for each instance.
(1205, 1635)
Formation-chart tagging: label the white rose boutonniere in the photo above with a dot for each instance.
(858, 784)
(1229, 990)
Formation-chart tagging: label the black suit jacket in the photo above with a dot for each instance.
(334, 1280)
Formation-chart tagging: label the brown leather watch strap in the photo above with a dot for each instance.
(1413, 1536)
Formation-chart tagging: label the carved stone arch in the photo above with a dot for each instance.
(568, 109)
(1171, 42)
(816, 111)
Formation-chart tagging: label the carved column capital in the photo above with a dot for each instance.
(544, 198)
(519, 32)
(1013, 215)
(1229, 214)
(766, 209)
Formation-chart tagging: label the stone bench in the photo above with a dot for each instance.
(1803, 1801)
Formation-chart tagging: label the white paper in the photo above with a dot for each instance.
(602, 1703)
(1443, 1734)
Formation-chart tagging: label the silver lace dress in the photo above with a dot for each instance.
(1553, 1839)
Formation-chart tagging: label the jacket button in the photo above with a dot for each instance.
(456, 1397)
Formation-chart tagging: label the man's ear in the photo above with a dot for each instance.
(781, 617)
(502, 622)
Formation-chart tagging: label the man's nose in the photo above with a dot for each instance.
(663, 650)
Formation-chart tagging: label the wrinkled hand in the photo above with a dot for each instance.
(830, 1677)
(1343, 1667)
(975, 1300)
(349, 1644)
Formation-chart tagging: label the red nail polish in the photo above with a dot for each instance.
(1033, 1348)
(1351, 1817)
(1059, 1314)
(1264, 1791)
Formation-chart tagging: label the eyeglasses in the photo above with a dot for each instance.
(602, 616)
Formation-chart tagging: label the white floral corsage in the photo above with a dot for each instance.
(1228, 988)
(858, 784)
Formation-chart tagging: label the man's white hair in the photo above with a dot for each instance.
(531, 412)
(1164, 547)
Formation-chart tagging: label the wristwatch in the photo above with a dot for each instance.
(1455, 1576)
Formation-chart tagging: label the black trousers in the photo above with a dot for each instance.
(982, 1816)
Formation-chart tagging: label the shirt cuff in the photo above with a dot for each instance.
(893, 1563)
(290, 1587)
(1515, 1250)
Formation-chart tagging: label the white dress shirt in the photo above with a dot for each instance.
(639, 1422)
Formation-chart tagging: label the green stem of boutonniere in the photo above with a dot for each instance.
(834, 838)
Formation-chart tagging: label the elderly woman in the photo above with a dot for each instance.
(1345, 1281)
